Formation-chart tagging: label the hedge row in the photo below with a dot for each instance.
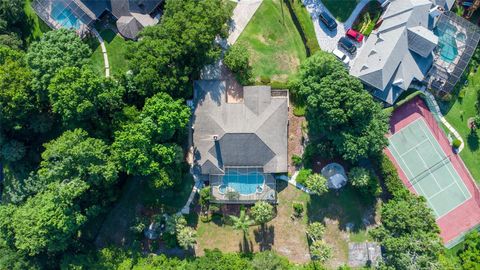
(303, 22)
(392, 181)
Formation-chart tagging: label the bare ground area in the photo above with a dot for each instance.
(295, 138)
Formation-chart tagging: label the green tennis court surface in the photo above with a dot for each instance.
(427, 167)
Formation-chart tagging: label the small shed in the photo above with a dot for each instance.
(364, 254)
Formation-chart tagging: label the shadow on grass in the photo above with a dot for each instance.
(246, 246)
(108, 35)
(472, 141)
(347, 206)
(265, 237)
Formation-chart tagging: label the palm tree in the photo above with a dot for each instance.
(242, 222)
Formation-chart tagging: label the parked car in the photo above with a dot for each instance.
(340, 55)
(347, 44)
(357, 36)
(328, 20)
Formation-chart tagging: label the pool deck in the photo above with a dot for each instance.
(268, 194)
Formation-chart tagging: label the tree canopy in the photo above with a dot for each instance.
(262, 212)
(54, 51)
(169, 53)
(343, 118)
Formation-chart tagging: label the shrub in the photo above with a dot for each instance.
(262, 212)
(302, 176)
(297, 160)
(279, 85)
(456, 143)
(237, 60)
(265, 79)
(315, 231)
(233, 195)
(317, 184)
(320, 251)
(297, 209)
(299, 110)
(204, 196)
(364, 180)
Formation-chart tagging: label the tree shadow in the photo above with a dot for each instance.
(281, 185)
(352, 209)
(265, 237)
(473, 140)
(246, 246)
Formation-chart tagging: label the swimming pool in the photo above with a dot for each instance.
(64, 16)
(447, 44)
(245, 183)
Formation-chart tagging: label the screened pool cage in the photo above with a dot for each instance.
(458, 39)
(70, 14)
(241, 185)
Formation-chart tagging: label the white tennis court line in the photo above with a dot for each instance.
(430, 171)
(453, 177)
(414, 147)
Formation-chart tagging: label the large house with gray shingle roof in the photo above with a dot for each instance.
(399, 51)
(239, 145)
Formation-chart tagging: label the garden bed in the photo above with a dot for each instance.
(368, 18)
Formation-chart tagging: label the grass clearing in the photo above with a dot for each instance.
(116, 50)
(457, 112)
(341, 10)
(287, 236)
(274, 43)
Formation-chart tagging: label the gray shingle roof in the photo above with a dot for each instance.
(252, 133)
(399, 51)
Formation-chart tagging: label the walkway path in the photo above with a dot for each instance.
(433, 106)
(104, 52)
(292, 181)
(242, 14)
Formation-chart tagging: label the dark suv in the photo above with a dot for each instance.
(347, 45)
(327, 20)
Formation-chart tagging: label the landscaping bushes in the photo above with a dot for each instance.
(366, 21)
(237, 60)
(304, 25)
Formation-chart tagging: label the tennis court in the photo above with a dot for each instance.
(428, 169)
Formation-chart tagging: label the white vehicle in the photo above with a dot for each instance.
(340, 55)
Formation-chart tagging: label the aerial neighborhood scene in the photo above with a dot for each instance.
(239, 134)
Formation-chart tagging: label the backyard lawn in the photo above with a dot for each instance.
(274, 43)
(116, 50)
(287, 236)
(457, 112)
(341, 9)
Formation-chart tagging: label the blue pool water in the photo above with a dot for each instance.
(447, 44)
(243, 183)
(64, 16)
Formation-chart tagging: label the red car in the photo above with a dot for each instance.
(354, 35)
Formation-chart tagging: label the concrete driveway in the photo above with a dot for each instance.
(327, 39)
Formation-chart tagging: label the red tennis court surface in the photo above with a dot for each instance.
(454, 224)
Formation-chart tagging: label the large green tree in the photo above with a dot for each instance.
(11, 13)
(81, 98)
(343, 119)
(170, 54)
(50, 220)
(146, 147)
(409, 234)
(56, 50)
(470, 254)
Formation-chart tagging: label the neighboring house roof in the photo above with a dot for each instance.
(446, 4)
(399, 51)
(252, 133)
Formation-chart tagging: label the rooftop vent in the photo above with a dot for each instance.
(215, 137)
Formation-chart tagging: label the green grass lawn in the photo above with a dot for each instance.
(274, 43)
(341, 9)
(33, 28)
(287, 236)
(457, 112)
(116, 51)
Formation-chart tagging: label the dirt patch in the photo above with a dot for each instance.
(338, 241)
(295, 138)
(287, 61)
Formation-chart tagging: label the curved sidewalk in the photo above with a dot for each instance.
(104, 52)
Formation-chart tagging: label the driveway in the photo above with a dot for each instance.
(327, 39)
(242, 14)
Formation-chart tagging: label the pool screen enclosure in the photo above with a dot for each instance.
(458, 39)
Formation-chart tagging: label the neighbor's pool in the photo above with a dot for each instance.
(244, 183)
(447, 44)
(64, 16)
